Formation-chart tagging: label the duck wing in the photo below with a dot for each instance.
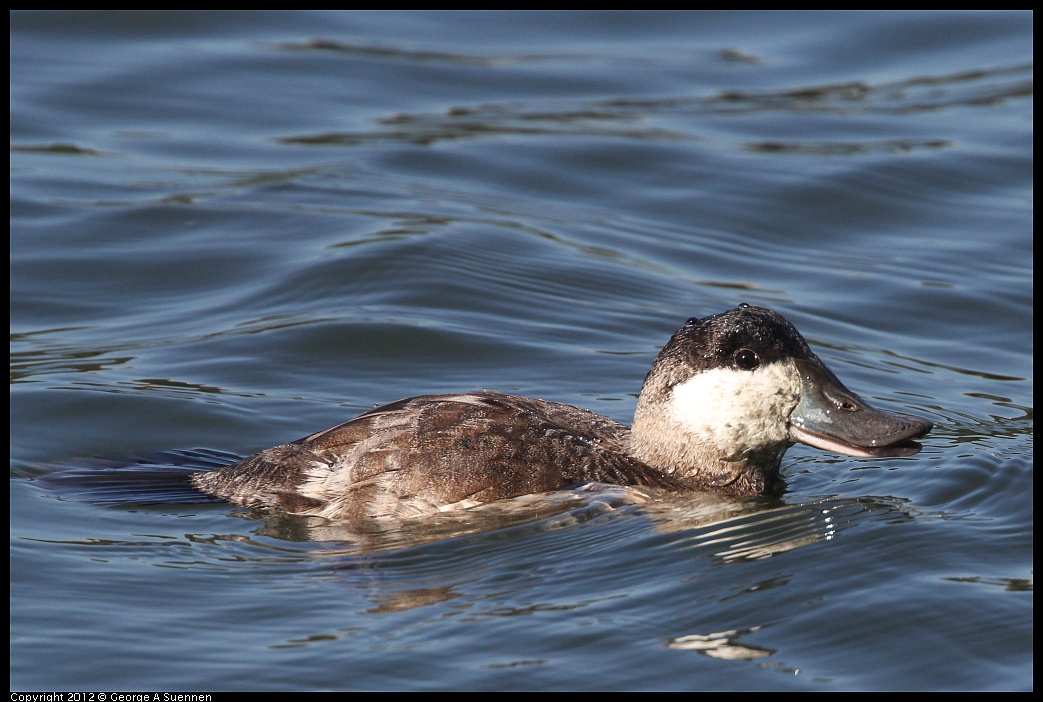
(433, 453)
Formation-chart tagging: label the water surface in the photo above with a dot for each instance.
(229, 230)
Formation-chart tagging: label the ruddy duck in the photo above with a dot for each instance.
(725, 398)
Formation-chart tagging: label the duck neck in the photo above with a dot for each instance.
(696, 458)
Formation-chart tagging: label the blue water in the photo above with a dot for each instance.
(229, 230)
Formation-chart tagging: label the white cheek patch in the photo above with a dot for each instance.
(735, 409)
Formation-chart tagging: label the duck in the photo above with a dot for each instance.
(724, 399)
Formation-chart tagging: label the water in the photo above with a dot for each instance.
(229, 230)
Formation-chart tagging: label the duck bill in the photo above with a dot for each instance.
(832, 418)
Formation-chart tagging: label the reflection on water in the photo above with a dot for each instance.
(724, 644)
(763, 531)
(730, 528)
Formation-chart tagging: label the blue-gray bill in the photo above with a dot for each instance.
(831, 417)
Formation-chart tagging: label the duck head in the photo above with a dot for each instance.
(731, 392)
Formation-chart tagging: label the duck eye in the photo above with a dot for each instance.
(746, 359)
